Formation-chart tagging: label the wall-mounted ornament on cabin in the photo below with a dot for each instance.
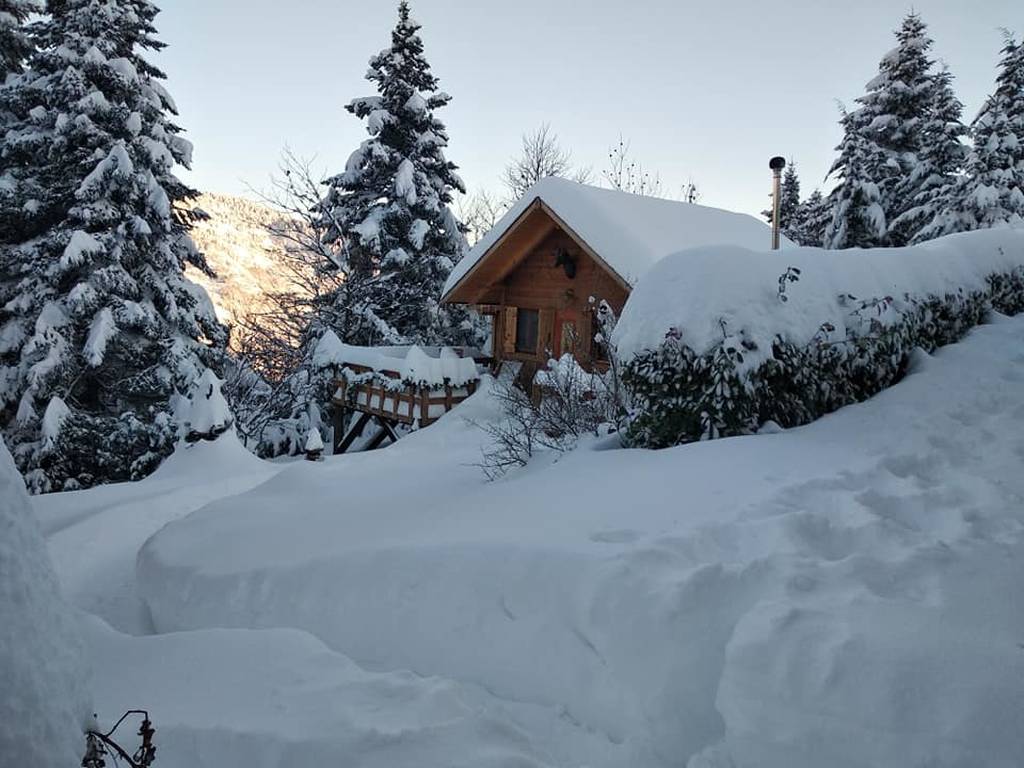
(565, 260)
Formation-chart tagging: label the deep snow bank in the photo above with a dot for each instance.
(94, 535)
(796, 600)
(44, 680)
(280, 698)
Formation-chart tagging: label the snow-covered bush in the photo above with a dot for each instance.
(713, 351)
(314, 445)
(209, 415)
(566, 404)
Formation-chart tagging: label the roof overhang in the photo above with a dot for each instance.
(526, 232)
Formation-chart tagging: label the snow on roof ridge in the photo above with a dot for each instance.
(630, 232)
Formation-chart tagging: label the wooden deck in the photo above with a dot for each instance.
(382, 398)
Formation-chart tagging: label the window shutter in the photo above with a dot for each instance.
(546, 333)
(508, 341)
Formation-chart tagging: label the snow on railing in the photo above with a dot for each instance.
(400, 384)
(402, 366)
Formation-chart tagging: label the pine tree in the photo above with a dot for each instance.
(811, 221)
(856, 216)
(941, 159)
(893, 114)
(790, 204)
(99, 329)
(15, 44)
(991, 193)
(391, 205)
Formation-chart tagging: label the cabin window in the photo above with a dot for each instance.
(527, 330)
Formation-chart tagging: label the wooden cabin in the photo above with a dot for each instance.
(541, 274)
(542, 270)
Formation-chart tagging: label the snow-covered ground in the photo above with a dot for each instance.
(94, 535)
(845, 594)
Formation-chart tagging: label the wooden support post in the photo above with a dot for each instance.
(387, 431)
(424, 406)
(338, 424)
(355, 431)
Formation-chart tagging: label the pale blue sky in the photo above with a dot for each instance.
(703, 89)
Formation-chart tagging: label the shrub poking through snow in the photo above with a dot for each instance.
(567, 403)
(765, 362)
(209, 416)
(314, 445)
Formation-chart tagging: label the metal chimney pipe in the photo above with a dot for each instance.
(776, 164)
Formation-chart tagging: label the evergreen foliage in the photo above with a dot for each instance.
(856, 205)
(99, 329)
(390, 207)
(894, 113)
(811, 221)
(991, 193)
(901, 148)
(15, 43)
(941, 159)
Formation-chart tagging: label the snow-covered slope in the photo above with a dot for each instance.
(279, 698)
(245, 257)
(94, 535)
(271, 698)
(843, 594)
(44, 675)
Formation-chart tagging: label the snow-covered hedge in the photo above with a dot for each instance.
(719, 341)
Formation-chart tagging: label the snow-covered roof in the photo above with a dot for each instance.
(630, 233)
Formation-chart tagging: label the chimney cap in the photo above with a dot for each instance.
(777, 163)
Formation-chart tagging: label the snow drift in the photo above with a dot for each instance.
(45, 704)
(279, 698)
(839, 594)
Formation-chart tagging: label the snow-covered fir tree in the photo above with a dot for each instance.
(15, 43)
(790, 204)
(940, 160)
(99, 329)
(856, 216)
(991, 193)
(390, 206)
(811, 220)
(893, 115)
